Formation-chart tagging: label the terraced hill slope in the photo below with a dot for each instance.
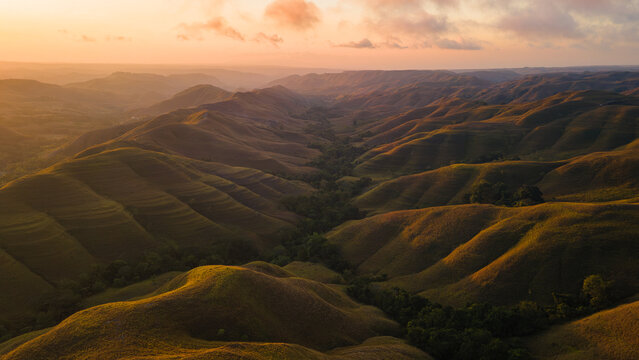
(252, 129)
(596, 177)
(610, 334)
(225, 312)
(475, 253)
(450, 185)
(560, 127)
(537, 87)
(120, 204)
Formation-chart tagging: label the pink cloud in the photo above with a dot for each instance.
(298, 14)
(274, 39)
(218, 25)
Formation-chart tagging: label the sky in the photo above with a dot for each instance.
(345, 34)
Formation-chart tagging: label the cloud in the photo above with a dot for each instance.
(407, 21)
(274, 39)
(117, 38)
(87, 38)
(297, 14)
(463, 44)
(218, 25)
(540, 22)
(574, 22)
(362, 44)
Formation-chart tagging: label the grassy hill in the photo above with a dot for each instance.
(610, 334)
(457, 254)
(225, 312)
(367, 82)
(120, 204)
(449, 185)
(253, 129)
(191, 97)
(539, 86)
(560, 127)
(33, 108)
(601, 176)
(145, 89)
(596, 177)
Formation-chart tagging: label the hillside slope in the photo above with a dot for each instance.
(449, 185)
(537, 87)
(191, 97)
(365, 82)
(485, 253)
(596, 177)
(145, 89)
(609, 334)
(120, 204)
(253, 129)
(213, 312)
(560, 127)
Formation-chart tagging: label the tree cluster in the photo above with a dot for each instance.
(499, 194)
(477, 331)
(329, 206)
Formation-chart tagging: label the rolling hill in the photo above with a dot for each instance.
(253, 129)
(38, 109)
(123, 203)
(556, 128)
(191, 97)
(450, 184)
(366, 82)
(596, 177)
(226, 312)
(539, 86)
(205, 172)
(499, 255)
(145, 89)
(609, 334)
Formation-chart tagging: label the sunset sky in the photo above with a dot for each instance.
(328, 33)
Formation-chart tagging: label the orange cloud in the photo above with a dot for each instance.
(298, 14)
(218, 25)
(274, 39)
(362, 44)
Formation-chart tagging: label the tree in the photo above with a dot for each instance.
(488, 193)
(528, 195)
(596, 289)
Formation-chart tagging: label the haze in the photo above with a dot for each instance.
(347, 34)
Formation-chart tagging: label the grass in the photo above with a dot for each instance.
(560, 127)
(130, 292)
(119, 204)
(449, 185)
(610, 334)
(484, 253)
(258, 312)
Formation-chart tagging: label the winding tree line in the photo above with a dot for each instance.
(478, 331)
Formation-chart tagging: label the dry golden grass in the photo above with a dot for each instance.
(610, 335)
(560, 127)
(457, 254)
(261, 315)
(448, 185)
(120, 204)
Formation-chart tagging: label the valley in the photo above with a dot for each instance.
(347, 215)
